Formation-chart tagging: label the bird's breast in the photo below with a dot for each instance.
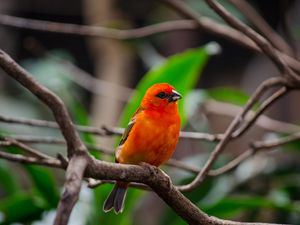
(152, 140)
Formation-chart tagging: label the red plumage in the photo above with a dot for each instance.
(151, 136)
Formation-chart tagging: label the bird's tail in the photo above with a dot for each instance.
(116, 198)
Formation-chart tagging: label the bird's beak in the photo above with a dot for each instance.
(174, 96)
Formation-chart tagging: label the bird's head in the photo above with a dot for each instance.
(160, 96)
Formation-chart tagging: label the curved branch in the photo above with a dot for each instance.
(259, 22)
(228, 135)
(227, 32)
(265, 46)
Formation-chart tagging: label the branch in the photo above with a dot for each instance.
(29, 150)
(196, 23)
(96, 31)
(259, 22)
(103, 131)
(74, 175)
(74, 144)
(254, 148)
(48, 98)
(31, 160)
(266, 104)
(232, 34)
(265, 46)
(264, 122)
(228, 135)
(159, 183)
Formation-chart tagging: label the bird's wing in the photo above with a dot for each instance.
(130, 126)
(127, 131)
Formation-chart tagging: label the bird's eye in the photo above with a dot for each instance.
(162, 95)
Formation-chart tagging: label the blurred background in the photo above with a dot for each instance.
(101, 80)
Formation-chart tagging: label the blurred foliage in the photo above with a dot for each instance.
(182, 71)
(228, 95)
(226, 196)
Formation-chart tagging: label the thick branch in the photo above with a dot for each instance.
(74, 175)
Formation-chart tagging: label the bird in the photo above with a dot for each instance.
(150, 137)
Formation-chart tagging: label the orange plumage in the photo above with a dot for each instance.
(151, 136)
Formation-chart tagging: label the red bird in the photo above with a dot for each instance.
(151, 136)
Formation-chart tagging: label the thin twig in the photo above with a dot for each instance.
(264, 122)
(48, 98)
(31, 160)
(29, 150)
(230, 130)
(96, 31)
(74, 145)
(266, 104)
(104, 130)
(259, 22)
(234, 35)
(197, 22)
(254, 148)
(265, 46)
(92, 183)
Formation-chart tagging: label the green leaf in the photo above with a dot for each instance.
(44, 182)
(181, 71)
(231, 206)
(228, 95)
(21, 207)
(8, 181)
(42, 179)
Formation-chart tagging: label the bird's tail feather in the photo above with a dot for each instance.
(116, 198)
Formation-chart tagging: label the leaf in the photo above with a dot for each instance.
(231, 206)
(42, 179)
(8, 181)
(181, 71)
(21, 207)
(229, 95)
(44, 182)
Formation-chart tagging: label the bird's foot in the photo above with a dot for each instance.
(156, 171)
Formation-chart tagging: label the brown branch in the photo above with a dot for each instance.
(74, 175)
(31, 160)
(96, 31)
(196, 23)
(46, 96)
(92, 183)
(95, 85)
(27, 149)
(103, 131)
(266, 104)
(137, 177)
(55, 104)
(150, 176)
(255, 147)
(259, 22)
(265, 46)
(228, 135)
(81, 164)
(234, 35)
(264, 122)
(159, 183)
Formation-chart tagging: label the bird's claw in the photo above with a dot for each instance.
(155, 170)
